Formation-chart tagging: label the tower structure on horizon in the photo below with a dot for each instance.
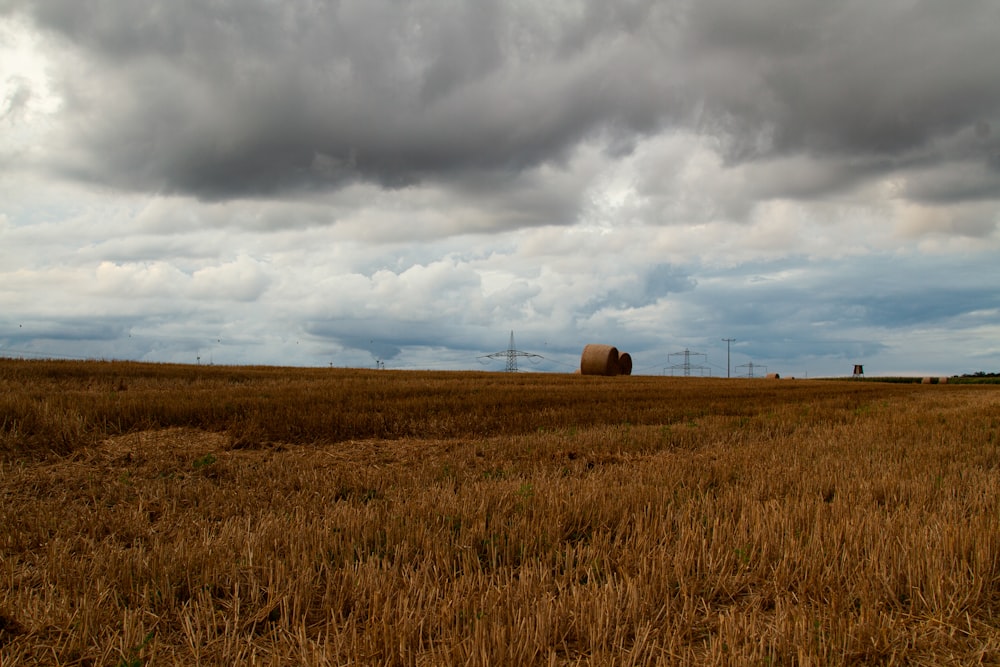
(511, 355)
(686, 364)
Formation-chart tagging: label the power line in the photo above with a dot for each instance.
(686, 365)
(750, 366)
(511, 354)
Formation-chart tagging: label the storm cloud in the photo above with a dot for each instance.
(257, 98)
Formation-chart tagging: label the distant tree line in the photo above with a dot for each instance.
(979, 377)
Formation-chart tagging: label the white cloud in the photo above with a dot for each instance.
(242, 279)
(131, 281)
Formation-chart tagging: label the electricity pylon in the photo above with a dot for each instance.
(750, 366)
(511, 354)
(686, 364)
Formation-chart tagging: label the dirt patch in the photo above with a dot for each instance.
(146, 444)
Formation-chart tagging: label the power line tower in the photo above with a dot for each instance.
(750, 366)
(511, 354)
(727, 341)
(686, 365)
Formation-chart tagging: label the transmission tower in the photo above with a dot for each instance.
(511, 354)
(686, 365)
(750, 366)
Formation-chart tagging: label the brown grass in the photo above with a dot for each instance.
(176, 515)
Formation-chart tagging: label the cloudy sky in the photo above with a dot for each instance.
(351, 181)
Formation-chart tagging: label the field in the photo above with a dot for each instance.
(182, 515)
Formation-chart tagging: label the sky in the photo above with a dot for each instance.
(405, 183)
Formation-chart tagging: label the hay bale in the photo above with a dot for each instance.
(773, 376)
(943, 380)
(599, 360)
(625, 363)
(925, 381)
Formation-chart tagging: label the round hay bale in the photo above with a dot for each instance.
(599, 360)
(925, 381)
(576, 372)
(625, 363)
(943, 380)
(773, 376)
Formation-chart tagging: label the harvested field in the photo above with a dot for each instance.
(169, 515)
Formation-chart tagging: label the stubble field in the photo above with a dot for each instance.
(161, 515)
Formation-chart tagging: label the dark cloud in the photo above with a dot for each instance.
(864, 89)
(257, 98)
(643, 288)
(384, 337)
(261, 98)
(835, 78)
(921, 306)
(62, 329)
(663, 279)
(955, 182)
(839, 308)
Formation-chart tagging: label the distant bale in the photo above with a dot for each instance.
(599, 360)
(576, 372)
(942, 380)
(773, 376)
(625, 363)
(925, 381)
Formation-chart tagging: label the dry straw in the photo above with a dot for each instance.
(599, 360)
(625, 363)
(721, 524)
